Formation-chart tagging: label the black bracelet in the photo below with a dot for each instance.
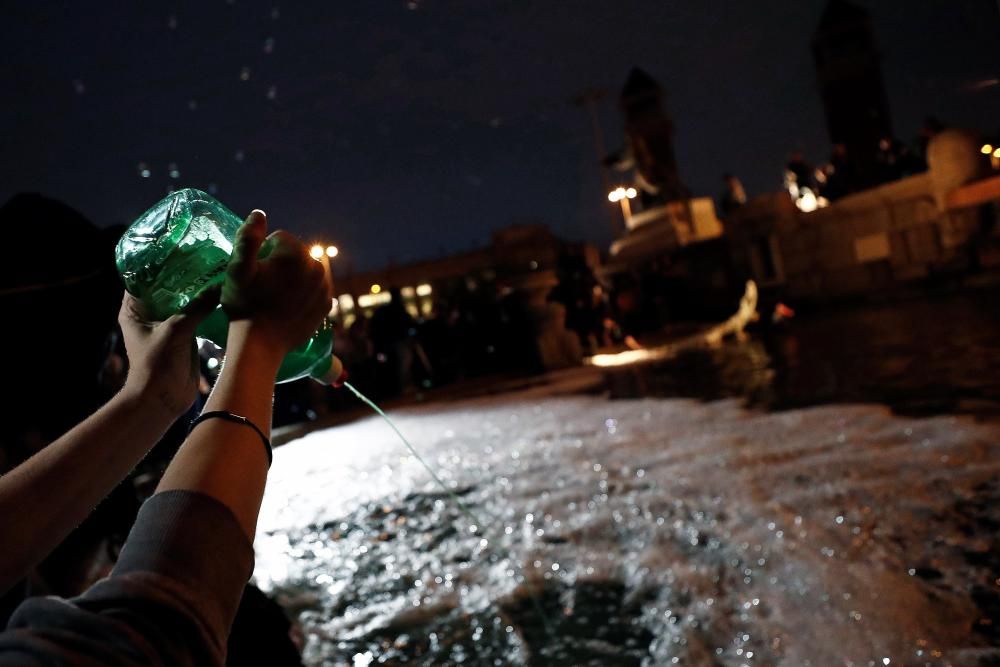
(236, 419)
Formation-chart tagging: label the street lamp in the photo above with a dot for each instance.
(323, 255)
(623, 195)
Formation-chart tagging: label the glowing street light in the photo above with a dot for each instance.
(623, 195)
(376, 288)
(987, 149)
(323, 255)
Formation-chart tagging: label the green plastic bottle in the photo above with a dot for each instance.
(180, 247)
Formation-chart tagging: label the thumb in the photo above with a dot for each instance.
(249, 238)
(197, 310)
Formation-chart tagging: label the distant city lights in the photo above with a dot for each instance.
(807, 201)
(621, 193)
(369, 300)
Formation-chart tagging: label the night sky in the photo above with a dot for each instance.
(404, 129)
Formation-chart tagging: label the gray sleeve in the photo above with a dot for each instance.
(170, 599)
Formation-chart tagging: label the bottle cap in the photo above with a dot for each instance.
(336, 376)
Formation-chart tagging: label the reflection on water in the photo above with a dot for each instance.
(921, 357)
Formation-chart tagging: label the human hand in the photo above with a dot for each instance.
(163, 356)
(278, 295)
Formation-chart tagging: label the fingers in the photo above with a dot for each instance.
(196, 311)
(273, 277)
(315, 288)
(249, 239)
(289, 251)
(203, 304)
(132, 319)
(284, 245)
(315, 291)
(132, 310)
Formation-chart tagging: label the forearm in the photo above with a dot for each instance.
(47, 496)
(226, 460)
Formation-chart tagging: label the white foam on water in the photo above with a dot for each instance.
(735, 537)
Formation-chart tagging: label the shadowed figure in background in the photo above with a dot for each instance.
(392, 331)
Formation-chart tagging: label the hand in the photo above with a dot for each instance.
(279, 295)
(163, 357)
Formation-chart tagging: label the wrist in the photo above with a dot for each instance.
(146, 398)
(249, 343)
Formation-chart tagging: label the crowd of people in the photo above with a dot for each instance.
(486, 331)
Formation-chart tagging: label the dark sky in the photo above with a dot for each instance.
(403, 129)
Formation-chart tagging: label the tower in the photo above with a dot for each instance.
(848, 66)
(649, 133)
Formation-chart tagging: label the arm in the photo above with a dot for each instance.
(63, 482)
(223, 460)
(274, 305)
